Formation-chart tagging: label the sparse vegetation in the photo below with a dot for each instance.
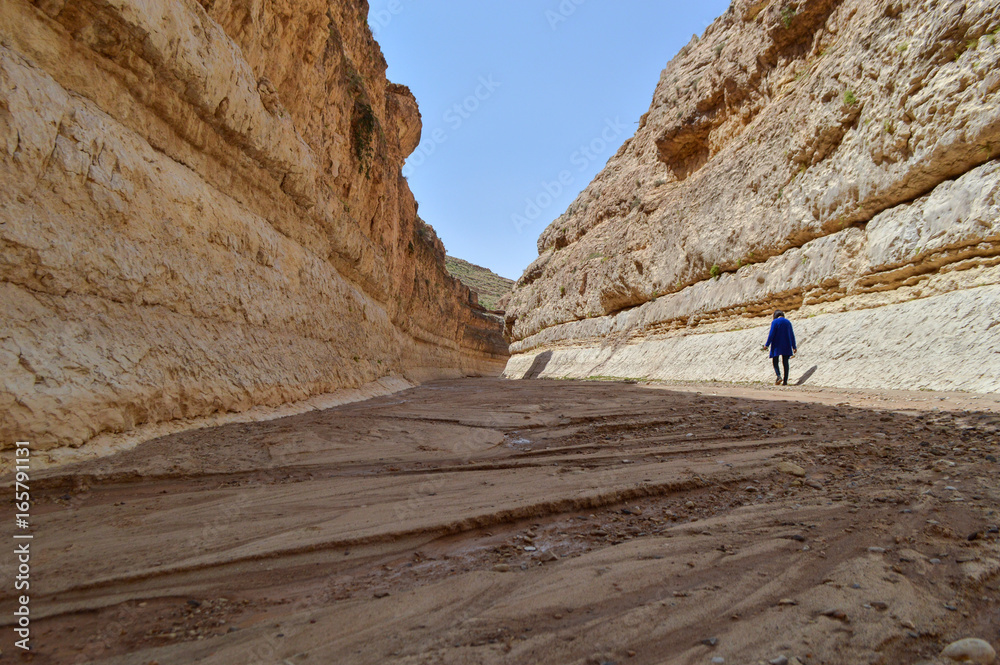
(787, 14)
(901, 48)
(562, 290)
(425, 232)
(363, 125)
(490, 286)
(889, 127)
(606, 377)
(715, 271)
(850, 99)
(355, 82)
(595, 255)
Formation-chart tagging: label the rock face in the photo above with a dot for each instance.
(833, 158)
(202, 210)
(970, 650)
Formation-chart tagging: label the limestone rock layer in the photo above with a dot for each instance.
(202, 210)
(825, 157)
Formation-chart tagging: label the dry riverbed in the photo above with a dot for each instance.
(490, 521)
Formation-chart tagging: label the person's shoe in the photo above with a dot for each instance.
(777, 381)
(785, 383)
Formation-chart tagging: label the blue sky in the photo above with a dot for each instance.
(515, 94)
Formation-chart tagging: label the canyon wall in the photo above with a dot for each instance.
(202, 211)
(837, 159)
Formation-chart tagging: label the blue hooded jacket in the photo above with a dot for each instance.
(781, 339)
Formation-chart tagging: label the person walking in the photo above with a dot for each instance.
(781, 340)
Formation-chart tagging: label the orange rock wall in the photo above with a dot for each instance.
(202, 210)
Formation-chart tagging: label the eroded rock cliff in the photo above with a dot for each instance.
(202, 210)
(834, 158)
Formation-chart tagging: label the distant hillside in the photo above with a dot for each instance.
(489, 285)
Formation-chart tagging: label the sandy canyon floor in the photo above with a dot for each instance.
(491, 521)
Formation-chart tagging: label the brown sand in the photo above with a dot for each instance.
(400, 530)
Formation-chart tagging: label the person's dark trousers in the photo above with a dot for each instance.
(784, 361)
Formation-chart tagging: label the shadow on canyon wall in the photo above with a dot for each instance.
(538, 365)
